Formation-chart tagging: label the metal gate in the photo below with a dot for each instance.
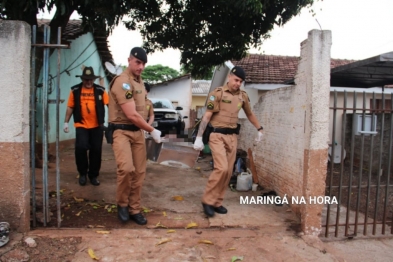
(46, 46)
(359, 167)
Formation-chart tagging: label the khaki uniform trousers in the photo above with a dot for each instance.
(223, 148)
(130, 153)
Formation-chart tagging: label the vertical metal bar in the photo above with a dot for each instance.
(331, 162)
(32, 123)
(360, 167)
(388, 168)
(351, 165)
(370, 168)
(45, 196)
(343, 124)
(380, 171)
(57, 129)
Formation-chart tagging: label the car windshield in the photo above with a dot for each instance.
(161, 103)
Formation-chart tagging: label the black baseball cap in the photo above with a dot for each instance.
(139, 53)
(239, 72)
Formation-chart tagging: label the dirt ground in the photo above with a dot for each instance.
(365, 195)
(177, 229)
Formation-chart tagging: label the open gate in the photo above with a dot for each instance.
(45, 46)
(359, 168)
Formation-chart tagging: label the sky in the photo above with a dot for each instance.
(360, 29)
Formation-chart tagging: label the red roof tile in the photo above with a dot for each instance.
(272, 69)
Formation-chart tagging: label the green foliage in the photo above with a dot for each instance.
(206, 32)
(158, 73)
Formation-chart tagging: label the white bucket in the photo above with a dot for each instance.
(244, 181)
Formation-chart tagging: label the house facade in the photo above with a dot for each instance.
(178, 91)
(85, 49)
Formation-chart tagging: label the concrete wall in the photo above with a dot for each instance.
(14, 125)
(179, 91)
(292, 157)
(71, 63)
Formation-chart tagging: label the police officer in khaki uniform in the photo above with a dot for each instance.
(223, 106)
(126, 119)
(149, 107)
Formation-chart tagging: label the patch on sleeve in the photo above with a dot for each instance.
(226, 101)
(139, 91)
(239, 105)
(212, 98)
(129, 94)
(148, 107)
(126, 86)
(210, 106)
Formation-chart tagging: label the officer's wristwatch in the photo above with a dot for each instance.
(261, 128)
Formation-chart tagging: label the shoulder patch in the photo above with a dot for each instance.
(212, 98)
(210, 106)
(128, 94)
(126, 86)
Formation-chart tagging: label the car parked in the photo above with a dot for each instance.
(167, 118)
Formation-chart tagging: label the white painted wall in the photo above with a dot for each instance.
(14, 81)
(179, 90)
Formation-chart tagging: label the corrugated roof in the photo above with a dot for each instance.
(273, 69)
(200, 87)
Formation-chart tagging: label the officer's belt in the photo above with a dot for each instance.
(125, 127)
(225, 131)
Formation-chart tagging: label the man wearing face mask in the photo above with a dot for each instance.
(223, 106)
(87, 105)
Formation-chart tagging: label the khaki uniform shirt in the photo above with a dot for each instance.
(125, 88)
(226, 106)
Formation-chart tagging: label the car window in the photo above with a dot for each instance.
(161, 103)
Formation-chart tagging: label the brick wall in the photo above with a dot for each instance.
(292, 157)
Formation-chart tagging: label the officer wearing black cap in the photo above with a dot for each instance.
(127, 110)
(221, 116)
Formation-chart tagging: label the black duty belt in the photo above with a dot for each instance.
(225, 131)
(124, 127)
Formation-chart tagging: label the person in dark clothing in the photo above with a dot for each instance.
(86, 104)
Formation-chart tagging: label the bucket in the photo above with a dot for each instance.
(244, 181)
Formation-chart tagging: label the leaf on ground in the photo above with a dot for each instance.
(93, 204)
(231, 249)
(191, 225)
(78, 214)
(177, 198)
(178, 218)
(91, 254)
(99, 226)
(232, 188)
(235, 258)
(90, 226)
(103, 232)
(171, 231)
(146, 210)
(78, 199)
(165, 240)
(206, 242)
(164, 214)
(160, 225)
